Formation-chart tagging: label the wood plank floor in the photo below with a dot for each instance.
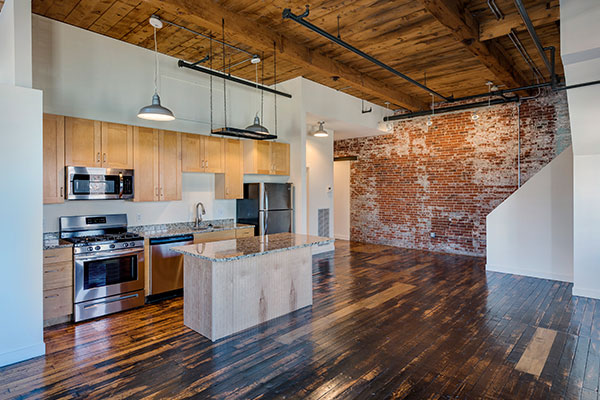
(386, 323)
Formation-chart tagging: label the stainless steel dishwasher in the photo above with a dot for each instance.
(166, 266)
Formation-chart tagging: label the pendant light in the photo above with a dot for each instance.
(156, 112)
(256, 126)
(321, 132)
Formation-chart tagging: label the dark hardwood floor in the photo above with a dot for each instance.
(386, 323)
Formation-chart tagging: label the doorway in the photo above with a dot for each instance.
(341, 199)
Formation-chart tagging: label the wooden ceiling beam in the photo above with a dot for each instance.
(465, 29)
(541, 14)
(208, 14)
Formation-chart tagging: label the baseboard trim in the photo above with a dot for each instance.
(22, 354)
(341, 237)
(592, 293)
(529, 272)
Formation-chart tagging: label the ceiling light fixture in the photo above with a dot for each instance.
(155, 111)
(321, 132)
(256, 126)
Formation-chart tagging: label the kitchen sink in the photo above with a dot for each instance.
(207, 228)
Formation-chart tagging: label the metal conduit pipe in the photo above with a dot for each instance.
(533, 34)
(287, 14)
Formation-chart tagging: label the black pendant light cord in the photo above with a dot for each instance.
(224, 80)
(156, 65)
(262, 85)
(275, 82)
(210, 52)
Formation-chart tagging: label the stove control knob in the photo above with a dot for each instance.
(97, 247)
(90, 248)
(131, 244)
(125, 244)
(112, 246)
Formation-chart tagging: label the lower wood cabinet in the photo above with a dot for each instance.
(244, 232)
(230, 185)
(214, 236)
(58, 285)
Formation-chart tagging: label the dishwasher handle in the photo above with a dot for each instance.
(171, 239)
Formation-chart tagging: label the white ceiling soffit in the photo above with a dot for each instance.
(342, 130)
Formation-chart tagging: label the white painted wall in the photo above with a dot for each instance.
(87, 75)
(531, 232)
(580, 52)
(341, 200)
(21, 334)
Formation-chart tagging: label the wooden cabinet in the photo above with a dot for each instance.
(54, 158)
(214, 236)
(169, 165)
(58, 285)
(230, 184)
(83, 142)
(98, 144)
(145, 164)
(244, 232)
(266, 158)
(117, 146)
(157, 165)
(201, 153)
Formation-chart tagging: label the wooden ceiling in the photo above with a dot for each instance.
(457, 46)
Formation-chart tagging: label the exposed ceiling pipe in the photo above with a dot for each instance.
(534, 36)
(287, 14)
(495, 10)
(451, 108)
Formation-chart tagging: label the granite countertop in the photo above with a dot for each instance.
(51, 241)
(185, 228)
(234, 249)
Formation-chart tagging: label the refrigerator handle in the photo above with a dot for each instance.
(262, 222)
(293, 204)
(261, 196)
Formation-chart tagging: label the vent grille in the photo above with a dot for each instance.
(324, 222)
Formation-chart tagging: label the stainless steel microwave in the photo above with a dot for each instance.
(90, 183)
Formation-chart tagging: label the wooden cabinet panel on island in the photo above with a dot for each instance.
(54, 158)
(83, 142)
(266, 158)
(230, 184)
(117, 146)
(201, 153)
(157, 165)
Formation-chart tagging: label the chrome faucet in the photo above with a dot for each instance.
(198, 215)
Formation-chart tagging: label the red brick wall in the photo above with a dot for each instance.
(444, 179)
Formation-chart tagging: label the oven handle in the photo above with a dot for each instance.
(112, 254)
(110, 301)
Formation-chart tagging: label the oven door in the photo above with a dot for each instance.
(108, 274)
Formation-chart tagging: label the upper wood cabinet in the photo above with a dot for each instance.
(98, 144)
(117, 145)
(230, 184)
(266, 158)
(169, 165)
(83, 142)
(145, 165)
(54, 158)
(201, 153)
(157, 165)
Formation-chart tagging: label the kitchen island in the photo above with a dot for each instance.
(232, 285)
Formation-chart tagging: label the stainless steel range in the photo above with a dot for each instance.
(109, 264)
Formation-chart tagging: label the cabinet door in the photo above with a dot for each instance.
(117, 146)
(280, 158)
(83, 140)
(214, 158)
(263, 158)
(169, 150)
(54, 158)
(145, 164)
(192, 153)
(230, 185)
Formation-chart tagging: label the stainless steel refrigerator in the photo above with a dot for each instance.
(267, 206)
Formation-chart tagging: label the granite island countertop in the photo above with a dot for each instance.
(234, 249)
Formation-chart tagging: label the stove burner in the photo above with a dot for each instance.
(107, 238)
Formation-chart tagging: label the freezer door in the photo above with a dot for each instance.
(277, 196)
(275, 221)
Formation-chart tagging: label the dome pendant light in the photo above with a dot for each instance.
(155, 111)
(256, 126)
(321, 132)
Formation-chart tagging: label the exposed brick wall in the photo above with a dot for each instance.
(444, 179)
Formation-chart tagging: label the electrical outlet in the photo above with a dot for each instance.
(432, 234)
(138, 217)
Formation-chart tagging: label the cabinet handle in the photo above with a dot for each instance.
(61, 191)
(51, 296)
(98, 157)
(104, 155)
(162, 192)
(50, 271)
(206, 163)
